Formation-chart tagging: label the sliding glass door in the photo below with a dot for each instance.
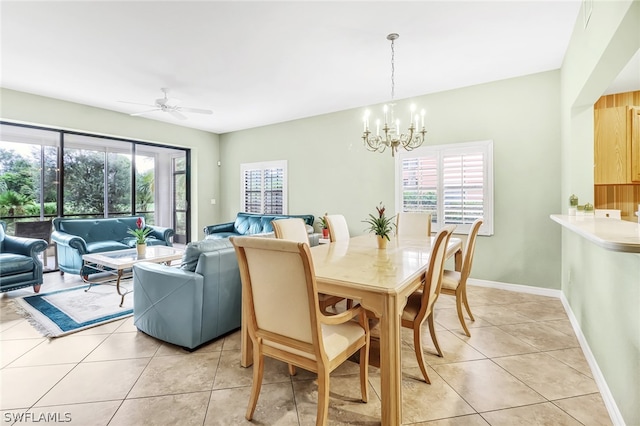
(48, 173)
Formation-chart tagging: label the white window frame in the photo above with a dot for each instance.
(262, 166)
(439, 152)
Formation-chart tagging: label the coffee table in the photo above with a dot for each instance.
(117, 264)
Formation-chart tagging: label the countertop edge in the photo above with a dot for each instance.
(574, 223)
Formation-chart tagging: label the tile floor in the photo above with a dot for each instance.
(521, 366)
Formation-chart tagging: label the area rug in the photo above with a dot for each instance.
(69, 310)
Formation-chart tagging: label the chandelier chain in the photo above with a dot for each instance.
(393, 71)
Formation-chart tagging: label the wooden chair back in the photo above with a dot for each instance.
(413, 223)
(338, 229)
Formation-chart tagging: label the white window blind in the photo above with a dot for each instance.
(452, 182)
(264, 187)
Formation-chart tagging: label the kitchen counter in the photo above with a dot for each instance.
(610, 234)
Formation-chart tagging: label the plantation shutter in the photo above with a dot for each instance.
(462, 185)
(273, 190)
(453, 182)
(252, 190)
(264, 187)
(420, 185)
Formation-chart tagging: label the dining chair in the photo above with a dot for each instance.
(290, 229)
(338, 229)
(413, 223)
(274, 270)
(454, 283)
(294, 229)
(420, 303)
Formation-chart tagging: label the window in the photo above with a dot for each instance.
(264, 187)
(47, 173)
(452, 182)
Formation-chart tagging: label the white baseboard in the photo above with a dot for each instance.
(549, 292)
(607, 397)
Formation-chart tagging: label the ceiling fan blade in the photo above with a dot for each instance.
(196, 110)
(145, 112)
(177, 115)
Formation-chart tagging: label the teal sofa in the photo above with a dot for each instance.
(19, 263)
(194, 304)
(77, 237)
(251, 224)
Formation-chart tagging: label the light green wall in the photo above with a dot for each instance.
(43, 111)
(331, 171)
(602, 287)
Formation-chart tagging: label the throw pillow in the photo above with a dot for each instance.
(194, 249)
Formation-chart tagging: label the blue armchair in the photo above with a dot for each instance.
(19, 263)
(76, 237)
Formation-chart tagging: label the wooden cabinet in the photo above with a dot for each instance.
(617, 145)
(612, 148)
(635, 144)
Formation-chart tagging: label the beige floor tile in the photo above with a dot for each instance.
(276, 406)
(453, 348)
(90, 414)
(20, 330)
(107, 328)
(448, 318)
(573, 357)
(232, 342)
(125, 346)
(231, 374)
(469, 379)
(463, 381)
(345, 402)
(561, 325)
(423, 402)
(96, 381)
(126, 325)
(21, 387)
(532, 415)
(470, 420)
(177, 374)
(10, 350)
(499, 315)
(556, 380)
(542, 311)
(61, 350)
(587, 409)
(493, 342)
(182, 409)
(541, 336)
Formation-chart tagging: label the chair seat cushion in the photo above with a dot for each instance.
(450, 280)
(107, 245)
(11, 264)
(412, 307)
(221, 235)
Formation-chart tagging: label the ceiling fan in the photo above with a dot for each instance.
(169, 105)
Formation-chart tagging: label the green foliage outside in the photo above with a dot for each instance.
(20, 184)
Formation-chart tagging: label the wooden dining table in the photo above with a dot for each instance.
(381, 280)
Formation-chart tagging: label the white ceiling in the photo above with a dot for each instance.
(263, 62)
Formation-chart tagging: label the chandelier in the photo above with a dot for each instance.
(392, 136)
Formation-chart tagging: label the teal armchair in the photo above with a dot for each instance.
(19, 263)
